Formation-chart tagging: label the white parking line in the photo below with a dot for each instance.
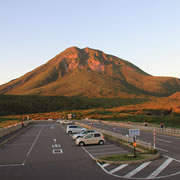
(118, 168)
(105, 165)
(87, 152)
(117, 148)
(172, 158)
(160, 169)
(11, 165)
(162, 149)
(22, 144)
(33, 144)
(138, 169)
(108, 152)
(99, 147)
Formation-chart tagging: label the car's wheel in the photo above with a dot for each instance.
(81, 143)
(69, 132)
(101, 142)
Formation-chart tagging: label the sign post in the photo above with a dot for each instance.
(154, 139)
(134, 144)
(133, 133)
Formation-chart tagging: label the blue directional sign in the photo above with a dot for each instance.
(134, 132)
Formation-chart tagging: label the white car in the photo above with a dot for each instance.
(74, 129)
(91, 138)
(59, 120)
(66, 122)
(75, 136)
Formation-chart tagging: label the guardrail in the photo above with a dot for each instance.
(9, 129)
(120, 136)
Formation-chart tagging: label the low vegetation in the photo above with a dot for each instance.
(107, 109)
(13, 105)
(123, 157)
(5, 121)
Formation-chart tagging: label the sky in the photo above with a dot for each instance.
(144, 32)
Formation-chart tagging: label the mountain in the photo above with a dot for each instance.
(90, 72)
(175, 96)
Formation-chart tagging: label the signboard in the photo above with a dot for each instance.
(134, 132)
(69, 116)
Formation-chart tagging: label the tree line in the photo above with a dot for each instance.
(27, 104)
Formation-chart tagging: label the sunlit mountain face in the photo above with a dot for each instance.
(92, 73)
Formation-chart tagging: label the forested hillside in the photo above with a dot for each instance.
(12, 105)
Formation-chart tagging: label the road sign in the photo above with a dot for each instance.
(69, 116)
(134, 132)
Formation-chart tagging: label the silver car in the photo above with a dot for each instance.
(74, 129)
(75, 136)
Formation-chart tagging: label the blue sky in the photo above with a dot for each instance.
(144, 32)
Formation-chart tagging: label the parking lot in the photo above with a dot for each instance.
(96, 151)
(45, 151)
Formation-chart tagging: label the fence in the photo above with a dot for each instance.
(120, 136)
(141, 126)
(7, 130)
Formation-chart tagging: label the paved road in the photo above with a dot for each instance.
(46, 152)
(166, 167)
(167, 145)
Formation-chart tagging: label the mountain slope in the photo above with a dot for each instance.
(89, 72)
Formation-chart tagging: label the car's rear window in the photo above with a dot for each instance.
(90, 131)
(97, 135)
(72, 126)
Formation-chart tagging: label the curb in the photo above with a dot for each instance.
(154, 157)
(13, 136)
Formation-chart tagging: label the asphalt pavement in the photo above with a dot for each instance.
(46, 152)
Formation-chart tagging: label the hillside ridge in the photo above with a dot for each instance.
(93, 73)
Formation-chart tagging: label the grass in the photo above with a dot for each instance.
(5, 121)
(168, 121)
(123, 157)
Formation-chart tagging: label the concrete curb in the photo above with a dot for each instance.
(13, 136)
(151, 158)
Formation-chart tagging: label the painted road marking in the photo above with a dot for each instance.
(32, 146)
(172, 158)
(162, 149)
(105, 165)
(118, 168)
(160, 169)
(56, 145)
(105, 149)
(87, 152)
(163, 140)
(108, 152)
(12, 165)
(57, 151)
(138, 169)
(99, 147)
